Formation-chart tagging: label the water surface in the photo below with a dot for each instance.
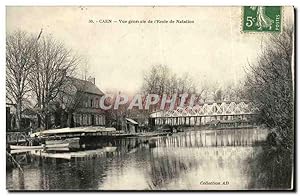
(198, 160)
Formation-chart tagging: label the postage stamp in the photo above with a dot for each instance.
(261, 19)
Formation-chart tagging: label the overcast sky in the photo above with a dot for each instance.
(213, 48)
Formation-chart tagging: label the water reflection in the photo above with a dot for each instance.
(189, 160)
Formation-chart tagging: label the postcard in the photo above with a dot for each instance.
(150, 98)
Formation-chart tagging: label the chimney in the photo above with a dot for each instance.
(92, 80)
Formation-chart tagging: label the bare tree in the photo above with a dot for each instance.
(160, 80)
(156, 81)
(20, 48)
(234, 92)
(53, 62)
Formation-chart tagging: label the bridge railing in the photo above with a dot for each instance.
(209, 109)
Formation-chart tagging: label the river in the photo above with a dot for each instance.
(191, 160)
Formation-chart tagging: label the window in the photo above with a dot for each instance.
(96, 120)
(91, 103)
(97, 102)
(80, 119)
(76, 118)
(84, 119)
(89, 119)
(101, 120)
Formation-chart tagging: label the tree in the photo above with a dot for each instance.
(70, 98)
(156, 81)
(20, 48)
(53, 63)
(218, 95)
(270, 86)
(160, 80)
(234, 92)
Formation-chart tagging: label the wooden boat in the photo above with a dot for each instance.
(78, 131)
(57, 149)
(19, 151)
(79, 154)
(14, 147)
(71, 141)
(66, 145)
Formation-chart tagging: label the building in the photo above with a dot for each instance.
(77, 105)
(28, 119)
(10, 117)
(87, 103)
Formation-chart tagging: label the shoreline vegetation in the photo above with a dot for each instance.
(271, 87)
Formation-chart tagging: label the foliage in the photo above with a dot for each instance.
(270, 86)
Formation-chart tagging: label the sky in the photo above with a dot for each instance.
(212, 49)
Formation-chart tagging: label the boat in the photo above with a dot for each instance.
(66, 145)
(78, 154)
(15, 147)
(74, 140)
(78, 131)
(57, 149)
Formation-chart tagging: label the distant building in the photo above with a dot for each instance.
(10, 117)
(88, 112)
(28, 119)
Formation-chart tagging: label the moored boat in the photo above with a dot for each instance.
(66, 145)
(15, 147)
(73, 142)
(77, 154)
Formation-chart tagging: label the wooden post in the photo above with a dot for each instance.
(216, 135)
(205, 139)
(200, 121)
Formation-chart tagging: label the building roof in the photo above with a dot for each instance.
(86, 86)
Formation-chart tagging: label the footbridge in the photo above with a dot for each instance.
(221, 114)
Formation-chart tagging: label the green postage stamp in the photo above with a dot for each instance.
(262, 19)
